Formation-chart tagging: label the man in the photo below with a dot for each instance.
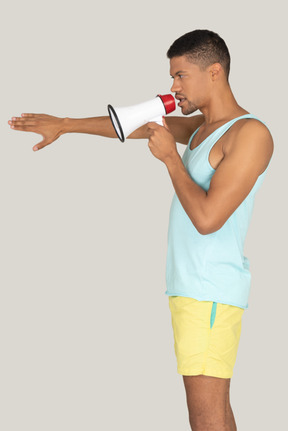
(225, 161)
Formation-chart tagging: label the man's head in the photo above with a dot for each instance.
(202, 47)
(197, 60)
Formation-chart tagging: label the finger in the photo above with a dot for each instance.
(22, 122)
(15, 119)
(41, 145)
(29, 115)
(152, 125)
(24, 128)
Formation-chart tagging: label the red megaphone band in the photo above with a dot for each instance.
(168, 102)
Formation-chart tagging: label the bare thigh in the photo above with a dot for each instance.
(208, 403)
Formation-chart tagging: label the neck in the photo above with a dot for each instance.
(222, 106)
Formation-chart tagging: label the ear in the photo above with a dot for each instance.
(215, 71)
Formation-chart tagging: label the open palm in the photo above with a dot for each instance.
(48, 126)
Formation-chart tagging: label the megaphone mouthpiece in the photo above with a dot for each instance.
(127, 119)
(169, 102)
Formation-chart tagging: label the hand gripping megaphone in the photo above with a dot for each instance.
(127, 119)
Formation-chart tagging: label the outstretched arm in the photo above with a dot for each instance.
(51, 128)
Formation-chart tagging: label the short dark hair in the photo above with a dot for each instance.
(203, 47)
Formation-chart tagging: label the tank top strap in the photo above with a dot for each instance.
(218, 133)
(192, 136)
(231, 122)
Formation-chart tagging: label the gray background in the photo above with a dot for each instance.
(85, 329)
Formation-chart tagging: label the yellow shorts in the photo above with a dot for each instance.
(206, 336)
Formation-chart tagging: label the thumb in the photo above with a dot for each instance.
(165, 124)
(42, 144)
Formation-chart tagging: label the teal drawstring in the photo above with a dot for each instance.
(213, 314)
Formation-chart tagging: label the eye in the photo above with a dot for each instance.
(177, 76)
(180, 76)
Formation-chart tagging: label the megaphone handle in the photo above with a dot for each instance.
(157, 120)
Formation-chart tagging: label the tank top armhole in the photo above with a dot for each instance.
(218, 133)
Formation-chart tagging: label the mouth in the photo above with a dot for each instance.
(181, 100)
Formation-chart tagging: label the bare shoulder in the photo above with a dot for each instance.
(252, 139)
(183, 127)
(251, 130)
(255, 127)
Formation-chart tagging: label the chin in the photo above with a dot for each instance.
(188, 111)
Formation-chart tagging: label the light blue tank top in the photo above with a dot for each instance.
(209, 267)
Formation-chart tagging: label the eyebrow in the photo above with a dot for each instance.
(178, 73)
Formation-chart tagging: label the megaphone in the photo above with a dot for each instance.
(127, 119)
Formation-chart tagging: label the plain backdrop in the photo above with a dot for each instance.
(85, 330)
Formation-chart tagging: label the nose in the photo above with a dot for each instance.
(175, 87)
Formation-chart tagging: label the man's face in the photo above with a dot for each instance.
(190, 84)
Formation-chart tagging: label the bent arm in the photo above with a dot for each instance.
(236, 175)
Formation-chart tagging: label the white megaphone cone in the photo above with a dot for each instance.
(127, 119)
